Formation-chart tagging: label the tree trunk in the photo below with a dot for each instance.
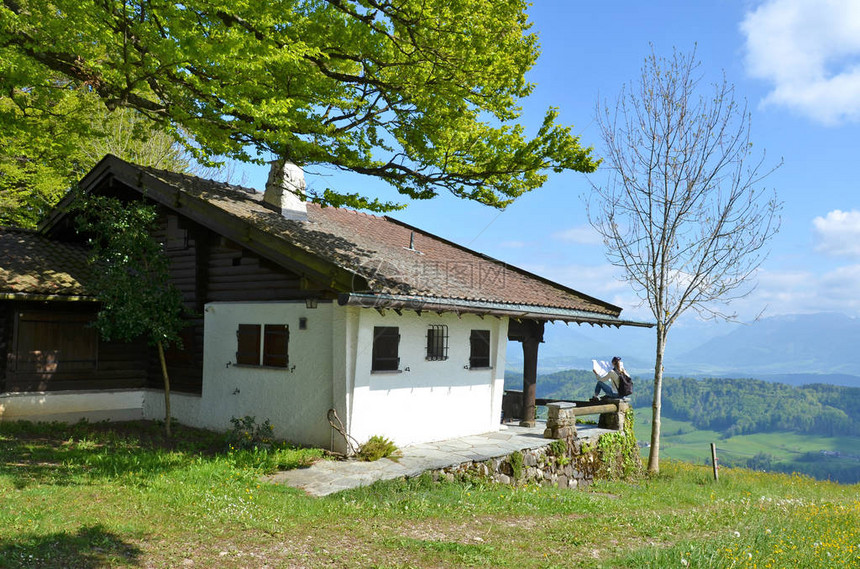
(166, 377)
(657, 406)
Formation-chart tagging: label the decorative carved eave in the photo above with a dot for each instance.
(517, 312)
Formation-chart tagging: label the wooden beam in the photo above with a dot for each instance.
(596, 409)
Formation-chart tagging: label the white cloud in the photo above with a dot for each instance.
(838, 233)
(798, 292)
(810, 51)
(594, 280)
(581, 234)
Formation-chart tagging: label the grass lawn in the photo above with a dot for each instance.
(92, 496)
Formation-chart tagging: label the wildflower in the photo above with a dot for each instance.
(737, 534)
(683, 562)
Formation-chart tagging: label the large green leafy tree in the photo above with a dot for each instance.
(423, 94)
(49, 139)
(30, 152)
(132, 282)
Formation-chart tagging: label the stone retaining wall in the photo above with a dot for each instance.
(569, 463)
(566, 462)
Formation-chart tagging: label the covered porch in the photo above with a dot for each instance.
(528, 329)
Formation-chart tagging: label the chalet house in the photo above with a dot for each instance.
(300, 313)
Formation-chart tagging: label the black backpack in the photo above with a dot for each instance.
(625, 385)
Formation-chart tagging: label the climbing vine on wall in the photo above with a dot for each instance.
(618, 453)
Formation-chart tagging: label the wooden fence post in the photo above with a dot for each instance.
(714, 460)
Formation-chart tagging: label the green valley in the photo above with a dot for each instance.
(810, 429)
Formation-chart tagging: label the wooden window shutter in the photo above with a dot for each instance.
(248, 344)
(275, 345)
(386, 345)
(479, 348)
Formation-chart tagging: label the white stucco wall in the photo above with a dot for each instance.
(329, 367)
(426, 400)
(296, 399)
(184, 407)
(71, 406)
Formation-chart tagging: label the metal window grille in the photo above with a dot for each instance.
(437, 342)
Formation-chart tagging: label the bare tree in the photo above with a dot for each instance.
(683, 211)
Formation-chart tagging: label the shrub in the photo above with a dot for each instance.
(248, 435)
(377, 447)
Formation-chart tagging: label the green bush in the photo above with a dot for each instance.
(377, 447)
(248, 435)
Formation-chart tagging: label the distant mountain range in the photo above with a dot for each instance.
(793, 349)
(823, 343)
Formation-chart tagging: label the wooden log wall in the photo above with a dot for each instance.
(5, 334)
(120, 365)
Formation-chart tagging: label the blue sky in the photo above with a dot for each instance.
(795, 62)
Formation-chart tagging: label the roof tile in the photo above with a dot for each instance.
(31, 264)
(378, 248)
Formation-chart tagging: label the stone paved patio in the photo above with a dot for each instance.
(329, 476)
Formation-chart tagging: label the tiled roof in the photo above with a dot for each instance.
(34, 266)
(378, 248)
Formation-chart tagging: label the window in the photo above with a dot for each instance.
(437, 342)
(386, 342)
(479, 349)
(275, 344)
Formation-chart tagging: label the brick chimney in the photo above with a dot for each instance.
(285, 190)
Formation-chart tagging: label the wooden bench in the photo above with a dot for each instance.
(561, 415)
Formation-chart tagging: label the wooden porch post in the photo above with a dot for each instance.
(531, 337)
(530, 358)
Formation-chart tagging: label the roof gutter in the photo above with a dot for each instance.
(480, 307)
